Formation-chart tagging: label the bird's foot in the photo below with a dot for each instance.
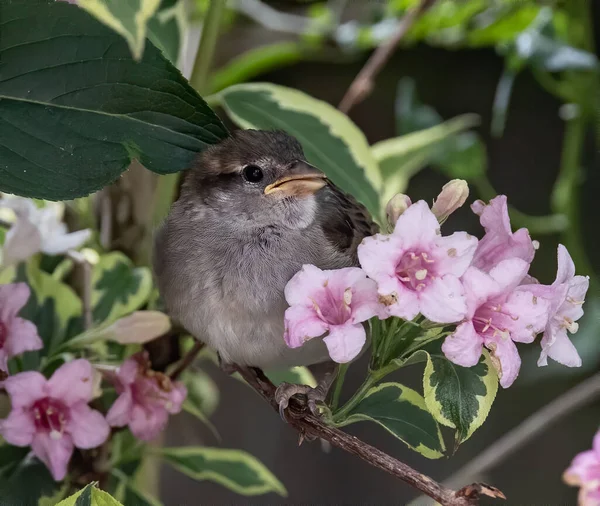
(285, 391)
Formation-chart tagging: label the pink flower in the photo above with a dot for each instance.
(334, 301)
(584, 472)
(146, 398)
(416, 269)
(52, 416)
(500, 313)
(499, 243)
(16, 334)
(566, 296)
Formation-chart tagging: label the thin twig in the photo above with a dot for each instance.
(86, 296)
(309, 425)
(514, 440)
(187, 360)
(364, 81)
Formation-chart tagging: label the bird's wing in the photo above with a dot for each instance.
(344, 220)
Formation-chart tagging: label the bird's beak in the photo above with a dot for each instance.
(302, 180)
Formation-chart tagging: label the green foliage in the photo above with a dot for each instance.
(296, 375)
(90, 496)
(235, 469)
(330, 140)
(118, 287)
(203, 393)
(23, 480)
(403, 413)
(459, 397)
(128, 110)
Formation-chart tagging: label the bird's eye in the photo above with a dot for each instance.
(252, 173)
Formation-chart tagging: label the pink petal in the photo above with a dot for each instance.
(302, 324)
(527, 315)
(128, 371)
(18, 428)
(464, 346)
(566, 267)
(120, 412)
(479, 287)
(345, 342)
(509, 273)
(596, 445)
(443, 301)
(304, 285)
(454, 253)
(506, 359)
(3, 360)
(577, 289)
(12, 299)
(561, 350)
(176, 398)
(407, 304)
(87, 427)
(25, 388)
(584, 468)
(22, 336)
(55, 453)
(147, 424)
(72, 382)
(379, 255)
(365, 301)
(417, 225)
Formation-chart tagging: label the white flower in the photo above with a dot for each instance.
(37, 229)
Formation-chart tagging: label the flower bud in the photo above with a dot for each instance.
(139, 327)
(453, 195)
(396, 206)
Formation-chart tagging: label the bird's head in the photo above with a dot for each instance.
(256, 178)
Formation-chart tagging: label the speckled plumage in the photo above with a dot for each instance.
(226, 251)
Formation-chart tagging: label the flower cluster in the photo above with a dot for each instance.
(584, 472)
(53, 417)
(480, 287)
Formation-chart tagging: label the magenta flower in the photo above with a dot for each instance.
(499, 313)
(146, 398)
(584, 472)
(16, 334)
(499, 243)
(416, 269)
(566, 296)
(52, 416)
(337, 302)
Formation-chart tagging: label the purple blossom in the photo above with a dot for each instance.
(146, 398)
(566, 296)
(584, 472)
(499, 243)
(335, 301)
(52, 416)
(416, 269)
(17, 335)
(499, 313)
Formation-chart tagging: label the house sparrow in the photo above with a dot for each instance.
(251, 213)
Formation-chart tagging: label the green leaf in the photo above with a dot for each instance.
(10, 457)
(203, 392)
(411, 114)
(402, 412)
(295, 375)
(167, 29)
(402, 157)
(235, 469)
(459, 397)
(129, 18)
(118, 288)
(131, 494)
(90, 496)
(189, 407)
(466, 160)
(502, 26)
(76, 109)
(330, 140)
(27, 484)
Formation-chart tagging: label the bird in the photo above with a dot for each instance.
(251, 212)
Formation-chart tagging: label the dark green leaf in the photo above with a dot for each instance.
(402, 412)
(330, 140)
(10, 457)
(30, 481)
(465, 159)
(235, 469)
(459, 397)
(76, 109)
(411, 114)
(166, 29)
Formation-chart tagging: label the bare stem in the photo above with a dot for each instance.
(309, 425)
(187, 360)
(514, 440)
(363, 83)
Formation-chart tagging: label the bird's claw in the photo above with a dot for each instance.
(285, 391)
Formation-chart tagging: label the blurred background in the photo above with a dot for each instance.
(528, 70)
